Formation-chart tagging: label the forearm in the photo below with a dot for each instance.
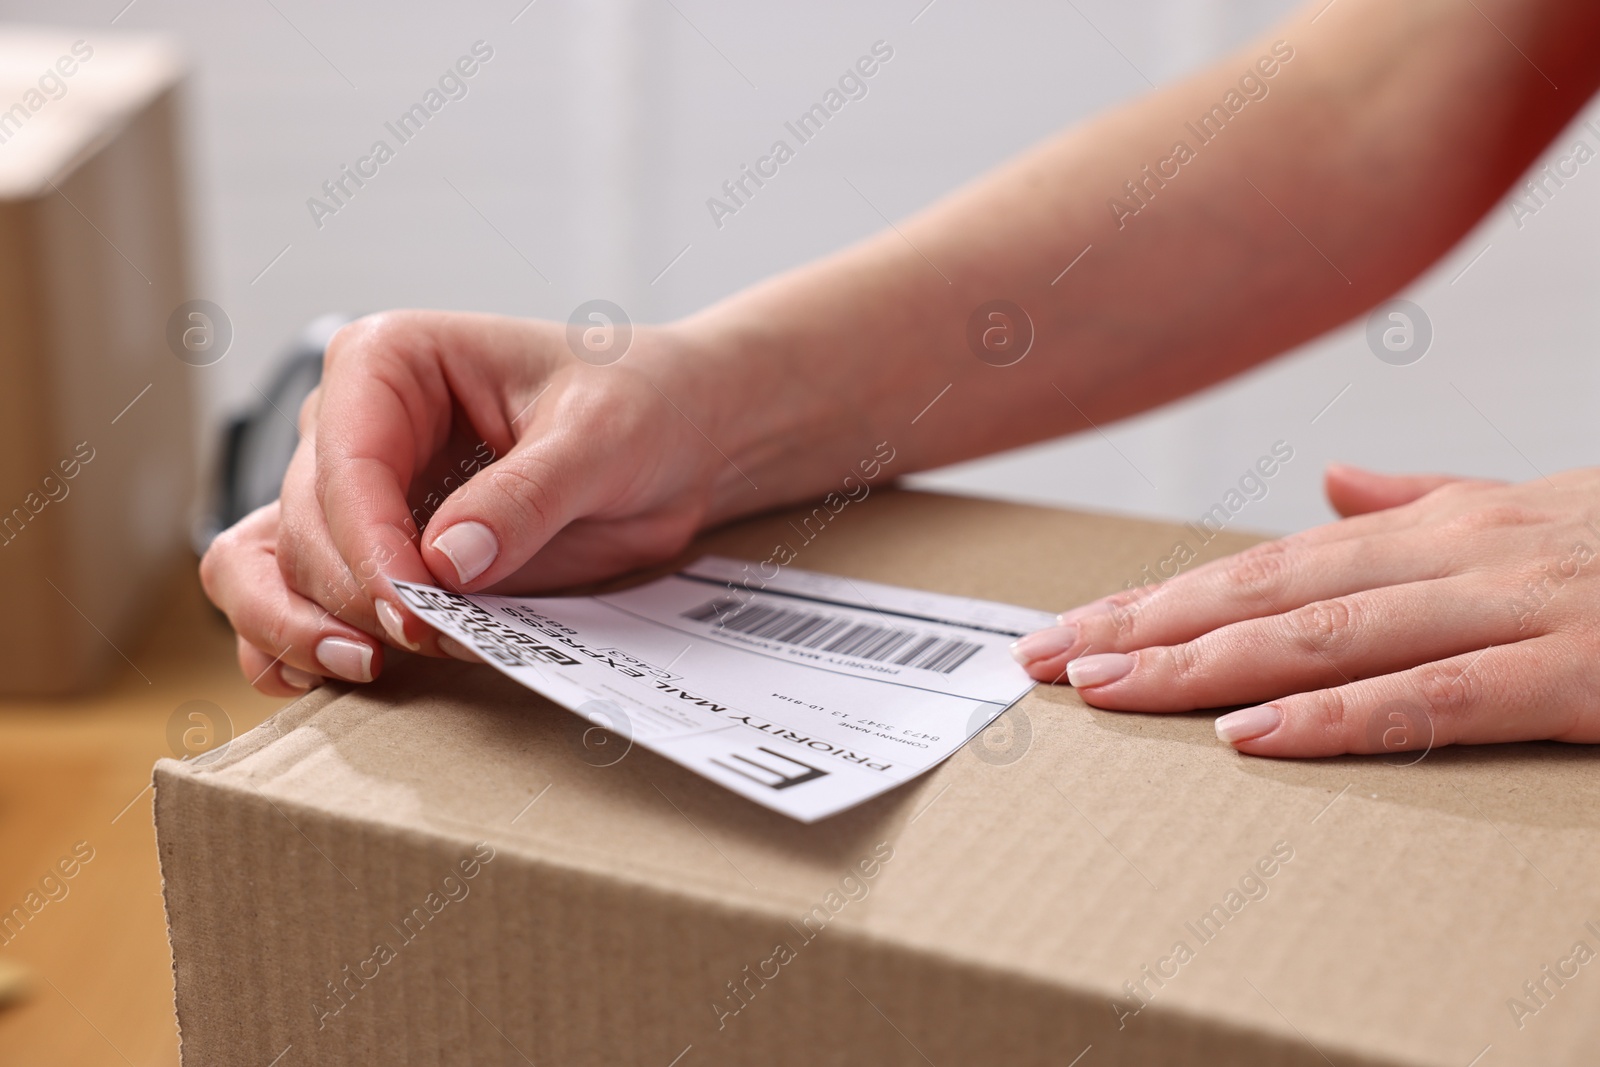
(1375, 147)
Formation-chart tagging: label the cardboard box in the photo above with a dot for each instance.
(96, 429)
(433, 869)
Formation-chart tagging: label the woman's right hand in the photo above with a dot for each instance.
(473, 452)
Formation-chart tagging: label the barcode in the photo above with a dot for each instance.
(831, 633)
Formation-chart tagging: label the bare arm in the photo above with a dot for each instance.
(486, 453)
(1382, 134)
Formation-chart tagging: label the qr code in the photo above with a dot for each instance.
(488, 635)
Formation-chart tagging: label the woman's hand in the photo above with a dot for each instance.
(468, 451)
(287, 642)
(1444, 612)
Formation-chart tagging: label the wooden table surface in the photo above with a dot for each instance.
(95, 960)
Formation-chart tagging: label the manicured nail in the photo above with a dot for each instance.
(1044, 644)
(1248, 724)
(470, 547)
(1098, 669)
(1094, 607)
(350, 660)
(298, 678)
(394, 624)
(451, 647)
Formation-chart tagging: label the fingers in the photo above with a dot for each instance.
(1526, 691)
(381, 415)
(556, 441)
(492, 526)
(1328, 643)
(398, 386)
(1354, 491)
(1355, 531)
(292, 641)
(311, 565)
(272, 676)
(588, 551)
(607, 476)
(307, 558)
(1266, 580)
(1446, 630)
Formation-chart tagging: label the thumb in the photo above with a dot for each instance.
(489, 527)
(1354, 491)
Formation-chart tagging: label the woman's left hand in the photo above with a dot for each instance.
(1443, 612)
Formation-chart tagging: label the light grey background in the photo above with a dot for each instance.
(579, 164)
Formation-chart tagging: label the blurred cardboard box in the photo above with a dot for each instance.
(437, 868)
(96, 431)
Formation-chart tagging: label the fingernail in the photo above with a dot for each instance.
(1098, 669)
(394, 624)
(350, 660)
(470, 547)
(298, 678)
(1044, 644)
(1248, 724)
(1097, 607)
(451, 647)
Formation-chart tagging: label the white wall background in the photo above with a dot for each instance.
(579, 164)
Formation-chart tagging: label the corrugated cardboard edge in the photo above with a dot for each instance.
(972, 987)
(173, 771)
